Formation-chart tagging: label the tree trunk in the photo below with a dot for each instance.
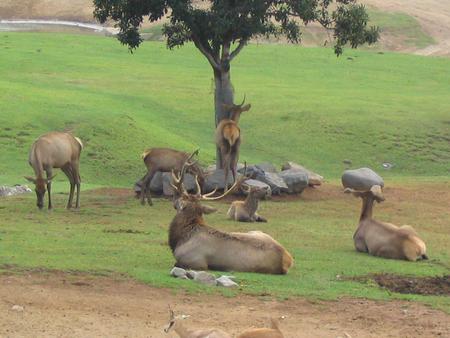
(223, 95)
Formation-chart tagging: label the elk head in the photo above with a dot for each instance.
(375, 192)
(236, 110)
(40, 188)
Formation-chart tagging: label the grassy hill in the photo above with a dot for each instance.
(307, 105)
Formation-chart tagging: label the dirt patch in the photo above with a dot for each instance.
(415, 285)
(125, 231)
(54, 304)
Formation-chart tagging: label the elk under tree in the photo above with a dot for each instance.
(221, 29)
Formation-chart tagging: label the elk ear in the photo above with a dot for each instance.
(246, 107)
(30, 179)
(377, 192)
(208, 210)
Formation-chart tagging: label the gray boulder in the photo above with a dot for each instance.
(258, 184)
(313, 178)
(206, 278)
(178, 272)
(226, 281)
(296, 181)
(15, 190)
(361, 179)
(267, 167)
(156, 185)
(188, 181)
(252, 171)
(215, 179)
(275, 182)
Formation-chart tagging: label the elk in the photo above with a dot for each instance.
(272, 332)
(55, 150)
(166, 160)
(196, 245)
(228, 138)
(245, 211)
(176, 325)
(384, 239)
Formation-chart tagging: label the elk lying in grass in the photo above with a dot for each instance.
(272, 332)
(166, 160)
(384, 239)
(55, 150)
(176, 325)
(246, 211)
(195, 245)
(228, 139)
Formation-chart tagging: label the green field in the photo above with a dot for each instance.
(307, 106)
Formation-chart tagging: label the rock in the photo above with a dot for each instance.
(252, 171)
(226, 281)
(267, 167)
(313, 178)
(206, 278)
(215, 179)
(296, 181)
(188, 181)
(17, 308)
(361, 179)
(15, 190)
(275, 182)
(156, 185)
(212, 167)
(254, 183)
(191, 274)
(178, 272)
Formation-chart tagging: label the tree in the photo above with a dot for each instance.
(220, 29)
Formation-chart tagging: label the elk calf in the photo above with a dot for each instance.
(228, 139)
(384, 239)
(272, 332)
(176, 325)
(55, 150)
(245, 211)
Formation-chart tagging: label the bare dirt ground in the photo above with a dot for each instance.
(56, 304)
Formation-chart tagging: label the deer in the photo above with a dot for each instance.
(272, 332)
(166, 160)
(384, 239)
(55, 150)
(198, 246)
(228, 138)
(183, 332)
(245, 211)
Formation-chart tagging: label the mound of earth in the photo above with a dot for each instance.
(439, 285)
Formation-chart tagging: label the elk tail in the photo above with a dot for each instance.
(79, 142)
(287, 262)
(145, 153)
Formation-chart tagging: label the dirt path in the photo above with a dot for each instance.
(74, 305)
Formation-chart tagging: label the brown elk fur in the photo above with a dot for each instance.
(55, 150)
(195, 245)
(183, 332)
(246, 211)
(165, 160)
(384, 239)
(272, 332)
(228, 139)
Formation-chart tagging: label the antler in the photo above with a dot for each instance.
(179, 186)
(237, 183)
(243, 101)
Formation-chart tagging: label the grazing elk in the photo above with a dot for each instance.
(55, 150)
(196, 245)
(245, 211)
(272, 332)
(176, 325)
(166, 160)
(228, 138)
(384, 239)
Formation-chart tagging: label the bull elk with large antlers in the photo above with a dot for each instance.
(55, 150)
(228, 138)
(166, 160)
(384, 239)
(196, 245)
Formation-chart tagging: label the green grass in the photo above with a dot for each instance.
(307, 105)
(316, 231)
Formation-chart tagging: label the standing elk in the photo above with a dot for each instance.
(228, 138)
(166, 160)
(246, 211)
(272, 332)
(176, 325)
(55, 150)
(196, 245)
(384, 239)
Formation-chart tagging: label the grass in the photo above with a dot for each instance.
(113, 233)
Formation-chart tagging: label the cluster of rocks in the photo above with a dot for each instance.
(15, 190)
(361, 179)
(292, 179)
(203, 277)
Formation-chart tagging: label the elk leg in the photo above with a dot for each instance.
(259, 218)
(145, 190)
(234, 160)
(49, 188)
(77, 179)
(67, 170)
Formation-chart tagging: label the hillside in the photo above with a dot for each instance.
(307, 105)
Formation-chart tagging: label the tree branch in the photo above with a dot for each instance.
(207, 53)
(241, 45)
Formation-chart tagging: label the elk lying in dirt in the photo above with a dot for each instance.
(176, 325)
(55, 150)
(228, 139)
(197, 246)
(272, 332)
(384, 239)
(166, 160)
(245, 211)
